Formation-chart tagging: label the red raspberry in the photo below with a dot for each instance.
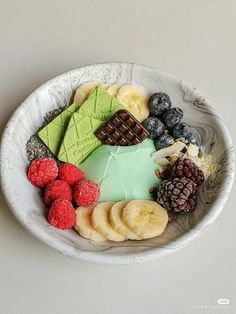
(55, 190)
(70, 173)
(41, 171)
(62, 214)
(86, 193)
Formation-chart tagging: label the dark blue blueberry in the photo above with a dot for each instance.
(182, 129)
(172, 117)
(164, 141)
(154, 126)
(159, 103)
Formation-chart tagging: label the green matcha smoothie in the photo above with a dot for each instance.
(123, 172)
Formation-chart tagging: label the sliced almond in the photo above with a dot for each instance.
(161, 154)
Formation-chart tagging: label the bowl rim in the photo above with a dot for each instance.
(122, 258)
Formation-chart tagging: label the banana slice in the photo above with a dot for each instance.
(83, 224)
(83, 91)
(113, 89)
(100, 222)
(145, 218)
(105, 86)
(135, 101)
(118, 224)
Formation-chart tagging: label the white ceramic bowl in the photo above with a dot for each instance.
(27, 205)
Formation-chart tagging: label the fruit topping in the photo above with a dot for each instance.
(118, 223)
(83, 224)
(83, 92)
(86, 193)
(147, 219)
(164, 141)
(182, 130)
(185, 167)
(42, 171)
(134, 100)
(135, 220)
(154, 126)
(70, 173)
(57, 189)
(172, 117)
(177, 195)
(101, 222)
(159, 103)
(113, 89)
(62, 214)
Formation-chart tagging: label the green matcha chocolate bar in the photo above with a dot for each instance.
(79, 140)
(53, 133)
(100, 105)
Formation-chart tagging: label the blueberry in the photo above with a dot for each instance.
(182, 129)
(172, 117)
(154, 126)
(164, 141)
(159, 103)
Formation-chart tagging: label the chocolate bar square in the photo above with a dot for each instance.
(122, 129)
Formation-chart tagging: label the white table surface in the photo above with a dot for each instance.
(189, 38)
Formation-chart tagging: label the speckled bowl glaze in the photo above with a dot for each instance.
(27, 205)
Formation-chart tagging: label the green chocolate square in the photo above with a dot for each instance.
(53, 133)
(100, 105)
(79, 141)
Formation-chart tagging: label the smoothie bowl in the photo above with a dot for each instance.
(116, 163)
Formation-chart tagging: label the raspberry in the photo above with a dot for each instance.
(41, 171)
(70, 173)
(62, 214)
(86, 193)
(185, 167)
(177, 195)
(57, 189)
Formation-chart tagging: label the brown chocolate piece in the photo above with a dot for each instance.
(122, 129)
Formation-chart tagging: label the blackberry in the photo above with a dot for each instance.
(154, 126)
(182, 129)
(164, 141)
(172, 117)
(185, 167)
(159, 103)
(177, 195)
